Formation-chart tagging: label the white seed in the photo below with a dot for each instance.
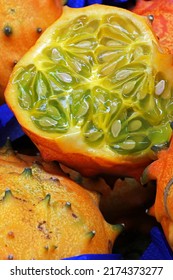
(84, 44)
(134, 125)
(141, 95)
(128, 145)
(93, 136)
(138, 52)
(77, 65)
(65, 77)
(56, 55)
(123, 74)
(112, 43)
(159, 88)
(53, 111)
(128, 87)
(108, 69)
(106, 56)
(116, 128)
(47, 122)
(26, 99)
(41, 89)
(100, 98)
(83, 109)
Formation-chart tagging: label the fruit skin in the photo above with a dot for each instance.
(161, 171)
(21, 24)
(163, 19)
(59, 147)
(44, 215)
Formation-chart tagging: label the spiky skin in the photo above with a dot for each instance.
(161, 171)
(48, 216)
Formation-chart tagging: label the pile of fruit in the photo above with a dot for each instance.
(92, 90)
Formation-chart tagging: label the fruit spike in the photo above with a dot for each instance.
(7, 147)
(8, 194)
(27, 172)
(11, 234)
(91, 234)
(151, 18)
(47, 199)
(46, 247)
(10, 257)
(68, 205)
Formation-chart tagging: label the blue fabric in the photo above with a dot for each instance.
(158, 248)
(82, 3)
(96, 257)
(9, 127)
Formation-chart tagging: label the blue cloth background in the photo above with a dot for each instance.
(158, 249)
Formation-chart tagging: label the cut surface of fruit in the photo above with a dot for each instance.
(45, 215)
(95, 92)
(21, 24)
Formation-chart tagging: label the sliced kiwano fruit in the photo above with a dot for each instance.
(95, 92)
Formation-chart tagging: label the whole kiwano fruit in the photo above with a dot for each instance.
(46, 215)
(21, 24)
(161, 171)
(95, 92)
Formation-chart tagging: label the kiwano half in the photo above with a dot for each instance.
(96, 92)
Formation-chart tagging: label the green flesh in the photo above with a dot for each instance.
(101, 82)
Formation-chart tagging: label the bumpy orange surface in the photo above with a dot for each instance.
(44, 215)
(163, 19)
(161, 170)
(21, 23)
